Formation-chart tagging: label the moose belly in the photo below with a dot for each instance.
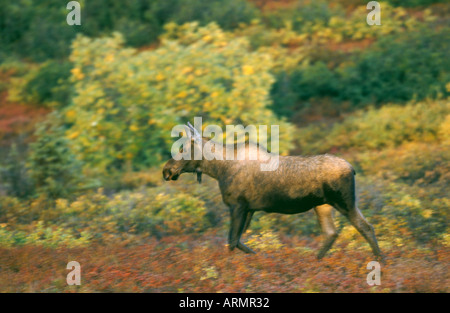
(277, 204)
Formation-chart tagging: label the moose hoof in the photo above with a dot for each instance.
(244, 248)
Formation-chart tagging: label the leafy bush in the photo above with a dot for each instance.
(35, 30)
(421, 164)
(302, 15)
(13, 174)
(39, 235)
(16, 211)
(400, 211)
(47, 84)
(312, 81)
(324, 22)
(38, 30)
(378, 75)
(126, 103)
(388, 126)
(397, 70)
(266, 241)
(126, 215)
(50, 85)
(53, 167)
(228, 14)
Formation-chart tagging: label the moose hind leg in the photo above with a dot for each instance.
(365, 229)
(325, 216)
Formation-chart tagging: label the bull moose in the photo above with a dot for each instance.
(300, 183)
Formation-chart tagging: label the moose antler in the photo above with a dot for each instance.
(194, 132)
(197, 139)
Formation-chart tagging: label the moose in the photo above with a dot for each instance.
(299, 184)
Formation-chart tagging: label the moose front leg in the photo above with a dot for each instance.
(247, 220)
(240, 219)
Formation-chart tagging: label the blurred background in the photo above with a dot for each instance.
(85, 119)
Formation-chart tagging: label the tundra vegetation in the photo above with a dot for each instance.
(85, 120)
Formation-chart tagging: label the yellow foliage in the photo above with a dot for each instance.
(73, 135)
(77, 73)
(266, 241)
(247, 70)
(182, 94)
(160, 77)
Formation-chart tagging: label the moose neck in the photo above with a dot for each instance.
(214, 168)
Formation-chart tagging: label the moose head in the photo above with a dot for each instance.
(179, 163)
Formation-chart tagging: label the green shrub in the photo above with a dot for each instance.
(46, 84)
(389, 126)
(400, 211)
(50, 85)
(423, 164)
(15, 210)
(151, 211)
(53, 167)
(228, 14)
(35, 30)
(395, 69)
(39, 235)
(414, 66)
(38, 30)
(13, 174)
(303, 15)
